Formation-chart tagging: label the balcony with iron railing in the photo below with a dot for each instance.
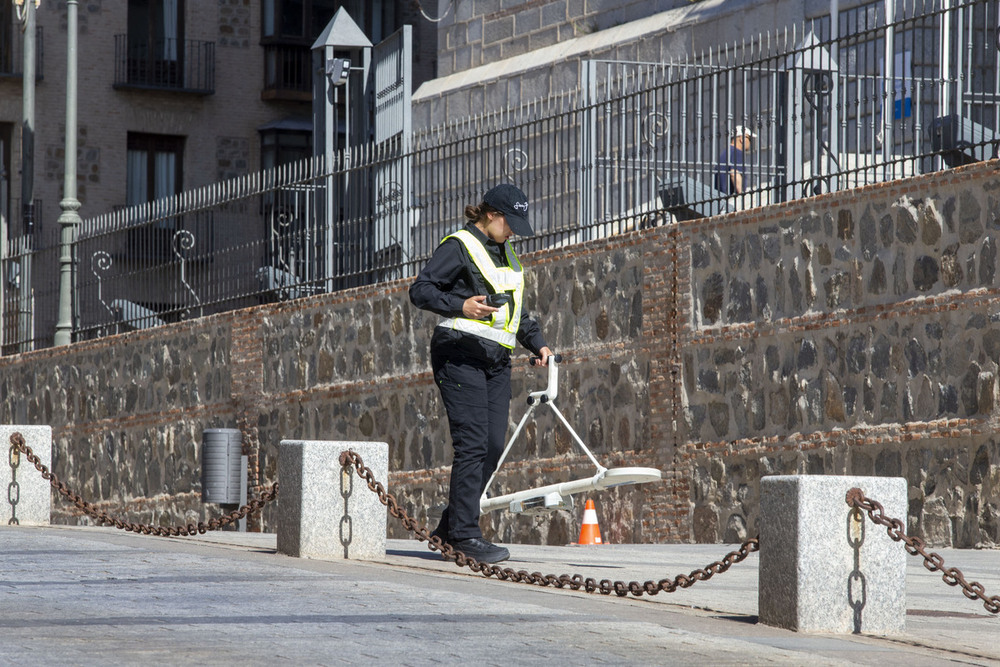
(12, 55)
(186, 66)
(287, 72)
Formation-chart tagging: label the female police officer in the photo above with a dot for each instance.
(470, 351)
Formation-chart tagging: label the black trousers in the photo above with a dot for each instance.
(476, 395)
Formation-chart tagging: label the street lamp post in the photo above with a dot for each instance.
(69, 220)
(27, 12)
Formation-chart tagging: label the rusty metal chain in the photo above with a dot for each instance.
(916, 547)
(102, 518)
(14, 488)
(575, 582)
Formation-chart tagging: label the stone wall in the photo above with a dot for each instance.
(849, 337)
(852, 333)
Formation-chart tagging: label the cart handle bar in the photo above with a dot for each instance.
(534, 361)
(552, 390)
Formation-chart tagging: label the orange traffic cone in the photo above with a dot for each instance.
(590, 532)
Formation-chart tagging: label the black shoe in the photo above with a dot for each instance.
(440, 533)
(480, 549)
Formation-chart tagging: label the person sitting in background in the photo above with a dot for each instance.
(731, 172)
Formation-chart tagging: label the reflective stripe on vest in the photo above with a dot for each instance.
(502, 325)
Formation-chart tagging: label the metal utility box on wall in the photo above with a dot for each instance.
(221, 464)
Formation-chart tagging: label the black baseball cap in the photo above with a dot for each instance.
(513, 203)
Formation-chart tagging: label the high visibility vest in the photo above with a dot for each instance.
(501, 325)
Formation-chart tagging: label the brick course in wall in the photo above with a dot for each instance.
(715, 392)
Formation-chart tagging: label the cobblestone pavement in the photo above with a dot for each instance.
(97, 596)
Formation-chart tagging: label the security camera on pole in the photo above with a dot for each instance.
(331, 72)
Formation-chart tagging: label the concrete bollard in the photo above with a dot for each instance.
(825, 567)
(326, 513)
(29, 496)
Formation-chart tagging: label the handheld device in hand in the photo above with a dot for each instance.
(498, 300)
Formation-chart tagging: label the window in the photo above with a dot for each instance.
(154, 167)
(296, 20)
(282, 146)
(288, 30)
(156, 42)
(6, 35)
(153, 171)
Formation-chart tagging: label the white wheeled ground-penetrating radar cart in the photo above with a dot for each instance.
(558, 496)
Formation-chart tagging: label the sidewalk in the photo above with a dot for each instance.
(89, 596)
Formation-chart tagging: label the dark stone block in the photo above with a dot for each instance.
(740, 302)
(772, 247)
(868, 236)
(795, 291)
(976, 321)
(695, 418)
(951, 268)
(948, 401)
(807, 354)
(737, 252)
(837, 290)
(925, 273)
(724, 356)
(761, 297)
(899, 284)
(887, 406)
(906, 226)
(779, 289)
(718, 415)
(970, 225)
(877, 281)
(987, 263)
(881, 357)
(889, 464)
(754, 251)
(916, 357)
(831, 352)
(711, 298)
(708, 380)
(970, 390)
(850, 400)
(980, 470)
(772, 358)
(885, 230)
(823, 255)
(930, 232)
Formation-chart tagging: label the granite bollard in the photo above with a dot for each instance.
(29, 495)
(325, 512)
(825, 567)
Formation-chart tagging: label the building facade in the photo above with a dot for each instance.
(173, 94)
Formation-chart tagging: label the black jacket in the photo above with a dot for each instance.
(448, 279)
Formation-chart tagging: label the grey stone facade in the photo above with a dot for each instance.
(806, 358)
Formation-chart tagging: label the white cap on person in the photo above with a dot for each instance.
(742, 131)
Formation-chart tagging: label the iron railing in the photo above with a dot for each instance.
(638, 144)
(29, 298)
(166, 64)
(287, 72)
(12, 53)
